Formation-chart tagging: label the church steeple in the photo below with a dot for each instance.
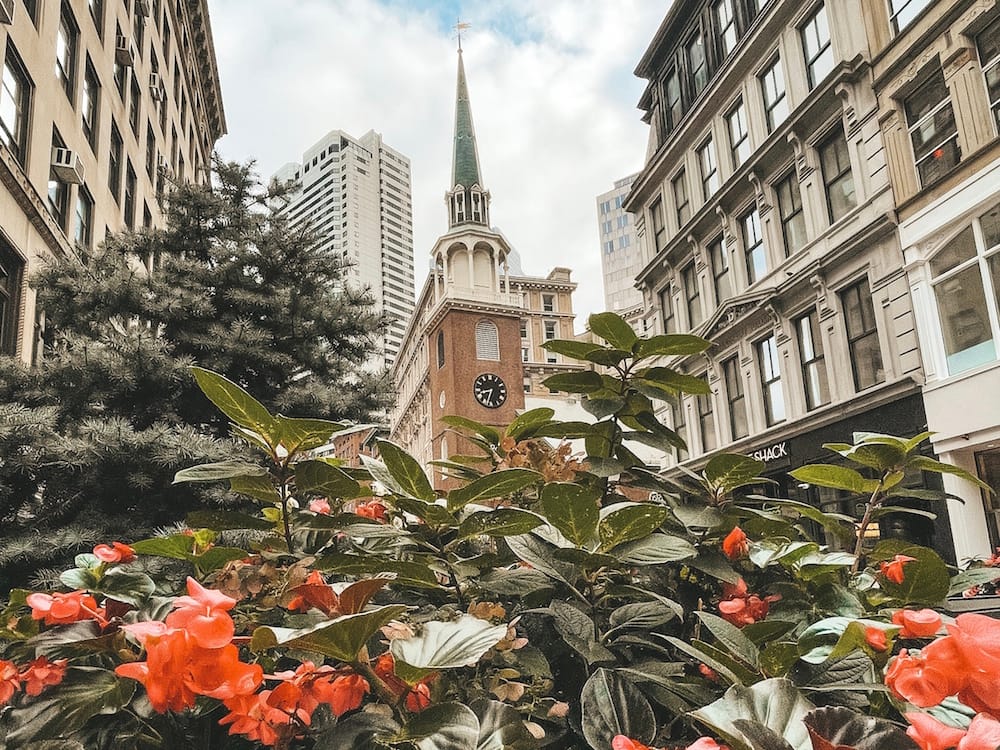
(468, 200)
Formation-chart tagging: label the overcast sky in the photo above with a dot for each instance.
(551, 86)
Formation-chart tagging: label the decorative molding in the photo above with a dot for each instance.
(956, 60)
(818, 282)
(845, 92)
(758, 188)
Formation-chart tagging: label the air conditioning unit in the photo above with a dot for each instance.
(6, 11)
(155, 87)
(66, 166)
(124, 55)
(143, 7)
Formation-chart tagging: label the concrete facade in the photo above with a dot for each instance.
(622, 254)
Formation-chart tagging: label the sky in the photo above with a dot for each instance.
(552, 91)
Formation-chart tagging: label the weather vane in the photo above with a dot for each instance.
(459, 28)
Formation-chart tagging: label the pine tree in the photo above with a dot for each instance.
(91, 437)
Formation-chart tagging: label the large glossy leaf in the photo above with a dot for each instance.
(430, 513)
(625, 522)
(300, 435)
(577, 629)
(587, 381)
(656, 549)
(611, 705)
(539, 555)
(612, 328)
(497, 484)
(671, 344)
(85, 692)
(729, 471)
(500, 727)
(260, 488)
(408, 573)
(732, 638)
(219, 470)
(471, 425)
(362, 730)
(572, 509)
(235, 402)
(642, 615)
(775, 704)
(500, 522)
(320, 478)
(925, 580)
(664, 377)
(446, 726)
(175, 546)
(341, 638)
(409, 476)
(521, 582)
(569, 348)
(525, 424)
(445, 645)
(839, 728)
(835, 477)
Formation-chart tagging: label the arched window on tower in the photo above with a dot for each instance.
(487, 340)
(459, 206)
(440, 349)
(477, 206)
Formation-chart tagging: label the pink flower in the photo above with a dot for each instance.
(62, 609)
(917, 623)
(621, 742)
(735, 545)
(42, 673)
(706, 743)
(931, 734)
(373, 509)
(203, 614)
(928, 679)
(893, 570)
(320, 505)
(983, 734)
(10, 681)
(115, 553)
(876, 638)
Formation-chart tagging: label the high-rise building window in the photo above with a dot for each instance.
(706, 423)
(903, 12)
(524, 328)
(753, 246)
(835, 161)
(31, 6)
(692, 294)
(725, 25)
(988, 43)
(738, 424)
(814, 378)
(966, 282)
(623, 242)
(11, 277)
(138, 29)
(816, 46)
(667, 311)
(697, 64)
(133, 106)
(67, 45)
(150, 151)
(709, 169)
(130, 196)
(115, 163)
(83, 233)
(524, 353)
(659, 226)
(550, 330)
(933, 131)
(97, 13)
(58, 194)
(606, 227)
(682, 203)
(15, 105)
(793, 219)
(672, 96)
(440, 349)
(862, 335)
(679, 420)
(548, 303)
(720, 270)
(739, 135)
(770, 380)
(772, 85)
(90, 104)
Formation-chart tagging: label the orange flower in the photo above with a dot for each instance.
(61, 609)
(42, 673)
(983, 734)
(203, 613)
(741, 608)
(621, 742)
(706, 743)
(116, 553)
(253, 717)
(320, 505)
(342, 694)
(928, 679)
(893, 570)
(708, 673)
(315, 592)
(10, 681)
(418, 696)
(735, 545)
(876, 638)
(931, 734)
(373, 509)
(917, 623)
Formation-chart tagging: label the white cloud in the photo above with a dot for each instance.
(552, 94)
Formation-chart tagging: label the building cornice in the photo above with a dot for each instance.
(207, 66)
(33, 205)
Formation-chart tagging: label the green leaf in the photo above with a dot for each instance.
(260, 488)
(577, 350)
(175, 546)
(498, 484)
(664, 377)
(471, 425)
(126, 586)
(446, 726)
(611, 705)
(775, 704)
(642, 615)
(408, 573)
(587, 381)
(656, 549)
(613, 329)
(732, 638)
(445, 645)
(525, 424)
(341, 638)
(925, 463)
(925, 580)
(500, 522)
(671, 344)
(410, 479)
(220, 470)
(223, 520)
(577, 630)
(236, 403)
(572, 509)
(521, 582)
(430, 513)
(216, 557)
(500, 727)
(539, 555)
(835, 477)
(625, 522)
(607, 357)
(728, 471)
(300, 435)
(320, 478)
(840, 727)
(362, 730)
(972, 577)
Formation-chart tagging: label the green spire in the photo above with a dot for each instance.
(465, 166)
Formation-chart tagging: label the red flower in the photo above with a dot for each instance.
(418, 696)
(876, 638)
(10, 681)
(320, 505)
(893, 570)
(708, 673)
(42, 673)
(917, 623)
(741, 608)
(342, 694)
(315, 592)
(735, 545)
(931, 734)
(61, 609)
(928, 679)
(116, 553)
(621, 742)
(983, 734)
(373, 509)
(203, 613)
(706, 743)
(253, 717)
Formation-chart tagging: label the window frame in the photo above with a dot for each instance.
(708, 167)
(758, 250)
(116, 157)
(679, 425)
(667, 306)
(549, 303)
(130, 195)
(718, 256)
(735, 397)
(90, 104)
(855, 338)
(681, 207)
(439, 345)
(10, 296)
(487, 337)
(787, 214)
(812, 359)
(917, 123)
(774, 73)
(657, 220)
(991, 65)
(829, 181)
(736, 147)
(17, 141)
(825, 49)
(724, 25)
(895, 14)
(550, 326)
(769, 370)
(66, 70)
(706, 422)
(692, 295)
(84, 198)
(699, 72)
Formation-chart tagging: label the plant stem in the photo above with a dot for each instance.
(283, 489)
(873, 502)
(382, 690)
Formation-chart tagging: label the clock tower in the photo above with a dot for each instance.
(473, 332)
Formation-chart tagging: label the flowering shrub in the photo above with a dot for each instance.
(545, 600)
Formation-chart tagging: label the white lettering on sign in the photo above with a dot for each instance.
(771, 453)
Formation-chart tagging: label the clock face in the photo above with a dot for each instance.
(490, 390)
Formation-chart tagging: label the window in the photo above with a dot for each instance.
(706, 424)
(770, 380)
(58, 193)
(772, 84)
(693, 295)
(623, 221)
(606, 227)
(667, 311)
(933, 131)
(753, 246)
(133, 107)
(527, 384)
(121, 72)
(440, 349)
(605, 207)
(672, 96)
(138, 29)
(697, 65)
(659, 227)
(988, 43)
(681, 201)
(31, 6)
(816, 46)
(814, 379)
(90, 104)
(738, 423)
(97, 13)
(862, 335)
(524, 328)
(720, 270)
(15, 104)
(709, 170)
(83, 233)
(550, 330)
(904, 12)
(115, 164)
(623, 242)
(725, 25)
(548, 303)
(679, 422)
(793, 220)
(835, 162)
(150, 152)
(524, 353)
(67, 41)
(739, 136)
(11, 276)
(966, 283)
(130, 186)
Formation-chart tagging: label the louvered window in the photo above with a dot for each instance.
(487, 340)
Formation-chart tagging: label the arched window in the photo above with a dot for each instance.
(440, 349)
(487, 340)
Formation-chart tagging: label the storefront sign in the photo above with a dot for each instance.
(771, 453)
